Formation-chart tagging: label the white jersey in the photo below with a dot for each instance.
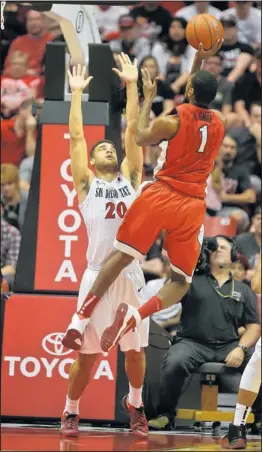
(103, 210)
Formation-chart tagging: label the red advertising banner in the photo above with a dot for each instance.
(62, 236)
(35, 365)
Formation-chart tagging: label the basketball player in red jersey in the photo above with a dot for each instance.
(190, 138)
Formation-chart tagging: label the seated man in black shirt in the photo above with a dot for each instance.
(248, 90)
(212, 310)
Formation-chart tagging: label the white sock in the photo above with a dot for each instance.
(135, 396)
(241, 414)
(72, 406)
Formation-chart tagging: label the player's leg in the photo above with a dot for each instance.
(135, 369)
(133, 345)
(89, 351)
(79, 377)
(184, 240)
(140, 227)
(248, 390)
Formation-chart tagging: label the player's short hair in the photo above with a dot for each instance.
(98, 143)
(205, 87)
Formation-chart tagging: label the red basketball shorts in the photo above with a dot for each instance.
(159, 207)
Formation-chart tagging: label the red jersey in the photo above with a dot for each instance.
(12, 146)
(187, 159)
(33, 47)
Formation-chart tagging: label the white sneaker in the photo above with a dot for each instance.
(74, 334)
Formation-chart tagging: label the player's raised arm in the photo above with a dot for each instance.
(82, 175)
(202, 54)
(162, 128)
(133, 163)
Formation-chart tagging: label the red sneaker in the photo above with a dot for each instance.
(235, 438)
(138, 421)
(69, 424)
(72, 339)
(126, 319)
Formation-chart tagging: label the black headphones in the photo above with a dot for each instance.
(234, 251)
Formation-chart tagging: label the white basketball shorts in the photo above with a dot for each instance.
(129, 288)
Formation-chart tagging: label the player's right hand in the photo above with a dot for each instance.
(129, 71)
(204, 54)
(77, 81)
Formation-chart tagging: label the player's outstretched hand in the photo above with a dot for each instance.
(149, 86)
(129, 71)
(77, 81)
(204, 54)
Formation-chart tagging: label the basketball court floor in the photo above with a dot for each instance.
(44, 438)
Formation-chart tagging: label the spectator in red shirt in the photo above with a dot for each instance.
(33, 43)
(18, 86)
(18, 136)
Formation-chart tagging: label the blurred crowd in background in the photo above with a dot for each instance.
(154, 33)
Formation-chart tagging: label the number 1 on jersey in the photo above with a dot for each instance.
(204, 136)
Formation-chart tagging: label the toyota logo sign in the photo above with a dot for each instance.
(52, 344)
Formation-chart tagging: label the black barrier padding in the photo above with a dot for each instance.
(57, 112)
(25, 270)
(105, 81)
(55, 80)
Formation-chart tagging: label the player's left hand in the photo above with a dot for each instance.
(129, 71)
(204, 54)
(235, 358)
(149, 86)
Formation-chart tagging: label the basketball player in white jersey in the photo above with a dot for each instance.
(249, 384)
(103, 200)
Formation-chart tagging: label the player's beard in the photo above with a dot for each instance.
(109, 167)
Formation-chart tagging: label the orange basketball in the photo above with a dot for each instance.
(206, 29)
